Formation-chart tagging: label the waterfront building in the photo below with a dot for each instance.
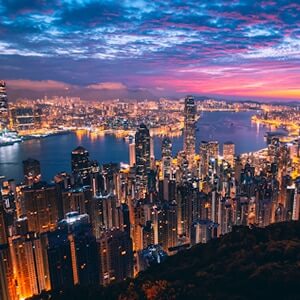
(4, 113)
(80, 164)
(32, 171)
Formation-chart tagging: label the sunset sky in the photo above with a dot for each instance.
(247, 49)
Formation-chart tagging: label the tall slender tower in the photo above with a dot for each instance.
(4, 120)
(166, 157)
(142, 156)
(189, 129)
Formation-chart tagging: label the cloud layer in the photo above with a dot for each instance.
(242, 48)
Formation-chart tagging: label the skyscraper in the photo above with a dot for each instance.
(189, 129)
(40, 203)
(4, 117)
(116, 256)
(31, 271)
(142, 157)
(80, 163)
(229, 152)
(32, 171)
(166, 157)
(132, 154)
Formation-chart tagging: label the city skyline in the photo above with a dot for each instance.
(137, 49)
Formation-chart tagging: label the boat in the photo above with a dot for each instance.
(9, 137)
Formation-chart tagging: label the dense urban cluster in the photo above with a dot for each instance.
(28, 118)
(101, 224)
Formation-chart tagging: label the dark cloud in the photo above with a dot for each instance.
(90, 41)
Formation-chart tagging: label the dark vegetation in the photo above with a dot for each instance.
(248, 263)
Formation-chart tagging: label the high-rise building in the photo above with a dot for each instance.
(166, 158)
(167, 225)
(40, 203)
(26, 118)
(32, 171)
(4, 115)
(84, 249)
(58, 249)
(30, 265)
(7, 283)
(190, 129)
(80, 163)
(142, 157)
(132, 154)
(116, 256)
(229, 152)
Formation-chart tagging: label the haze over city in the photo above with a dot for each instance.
(133, 49)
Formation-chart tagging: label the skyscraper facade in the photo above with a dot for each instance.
(4, 115)
(190, 129)
(142, 157)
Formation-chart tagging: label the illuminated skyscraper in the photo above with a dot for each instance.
(132, 154)
(142, 155)
(84, 253)
(166, 157)
(189, 129)
(40, 203)
(80, 163)
(32, 171)
(116, 256)
(229, 152)
(30, 265)
(4, 118)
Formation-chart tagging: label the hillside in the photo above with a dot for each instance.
(245, 264)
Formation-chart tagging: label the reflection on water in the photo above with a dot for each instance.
(54, 152)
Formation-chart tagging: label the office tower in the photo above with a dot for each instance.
(84, 248)
(142, 158)
(58, 249)
(96, 178)
(7, 284)
(209, 152)
(229, 152)
(4, 116)
(184, 199)
(152, 155)
(26, 118)
(110, 173)
(105, 213)
(32, 171)
(116, 256)
(139, 220)
(167, 225)
(74, 200)
(296, 203)
(40, 204)
(132, 154)
(30, 265)
(204, 159)
(80, 163)
(189, 129)
(213, 150)
(148, 234)
(166, 158)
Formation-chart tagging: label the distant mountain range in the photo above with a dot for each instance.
(247, 263)
(83, 92)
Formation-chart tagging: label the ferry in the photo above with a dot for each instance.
(8, 137)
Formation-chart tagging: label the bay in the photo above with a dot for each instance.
(54, 152)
